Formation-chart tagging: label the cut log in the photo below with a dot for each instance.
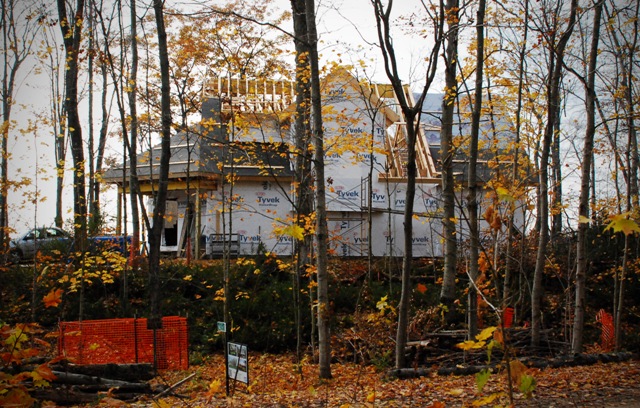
(81, 379)
(407, 373)
(63, 396)
(463, 369)
(139, 388)
(124, 372)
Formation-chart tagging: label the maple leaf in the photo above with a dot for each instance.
(527, 385)
(421, 288)
(482, 378)
(486, 333)
(294, 231)
(621, 223)
(517, 371)
(53, 298)
(42, 375)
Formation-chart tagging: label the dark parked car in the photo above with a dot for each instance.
(26, 246)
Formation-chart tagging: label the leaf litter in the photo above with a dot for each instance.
(278, 381)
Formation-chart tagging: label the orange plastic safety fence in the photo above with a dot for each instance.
(125, 341)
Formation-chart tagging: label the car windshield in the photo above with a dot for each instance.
(34, 234)
(54, 233)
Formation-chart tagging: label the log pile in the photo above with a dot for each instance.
(555, 362)
(83, 384)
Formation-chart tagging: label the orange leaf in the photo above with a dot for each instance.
(371, 397)
(517, 371)
(421, 288)
(53, 298)
(45, 372)
(498, 337)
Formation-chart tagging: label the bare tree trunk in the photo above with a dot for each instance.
(322, 233)
(411, 115)
(160, 201)
(619, 301)
(556, 181)
(472, 182)
(583, 209)
(94, 209)
(72, 36)
(447, 293)
(133, 132)
(556, 54)
(303, 159)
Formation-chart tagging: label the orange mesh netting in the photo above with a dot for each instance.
(125, 341)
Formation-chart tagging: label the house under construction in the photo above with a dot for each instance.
(231, 178)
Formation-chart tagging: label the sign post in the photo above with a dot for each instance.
(222, 328)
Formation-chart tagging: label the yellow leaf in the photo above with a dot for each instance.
(466, 345)
(486, 333)
(504, 194)
(163, 404)
(382, 303)
(371, 397)
(294, 231)
(456, 392)
(215, 387)
(620, 223)
(486, 400)
(584, 220)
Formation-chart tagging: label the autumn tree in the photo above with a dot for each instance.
(132, 92)
(71, 24)
(321, 233)
(555, 41)
(450, 56)
(411, 115)
(518, 44)
(160, 198)
(303, 158)
(589, 82)
(472, 181)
